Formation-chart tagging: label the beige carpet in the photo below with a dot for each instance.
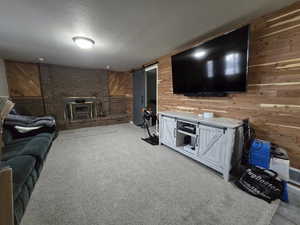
(108, 176)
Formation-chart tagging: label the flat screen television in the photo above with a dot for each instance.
(214, 68)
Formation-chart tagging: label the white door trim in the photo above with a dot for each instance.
(155, 66)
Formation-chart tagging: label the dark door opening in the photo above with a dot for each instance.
(151, 90)
(138, 96)
(144, 93)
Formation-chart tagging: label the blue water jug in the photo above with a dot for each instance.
(259, 154)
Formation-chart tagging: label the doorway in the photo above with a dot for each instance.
(144, 93)
(151, 88)
(138, 96)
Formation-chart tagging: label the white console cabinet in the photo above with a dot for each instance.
(215, 142)
(168, 128)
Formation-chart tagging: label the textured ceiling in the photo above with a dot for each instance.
(128, 33)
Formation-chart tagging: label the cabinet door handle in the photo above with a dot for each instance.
(174, 132)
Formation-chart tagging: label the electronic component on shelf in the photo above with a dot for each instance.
(187, 127)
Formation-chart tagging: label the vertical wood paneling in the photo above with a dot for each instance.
(120, 85)
(24, 87)
(23, 79)
(272, 101)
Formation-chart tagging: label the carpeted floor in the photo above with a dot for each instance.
(108, 176)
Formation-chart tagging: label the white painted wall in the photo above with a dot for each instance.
(3, 81)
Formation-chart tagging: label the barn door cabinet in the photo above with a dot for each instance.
(216, 142)
(168, 129)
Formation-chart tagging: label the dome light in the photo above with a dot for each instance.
(83, 42)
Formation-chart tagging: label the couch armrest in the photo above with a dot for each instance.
(6, 196)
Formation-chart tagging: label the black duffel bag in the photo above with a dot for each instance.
(262, 183)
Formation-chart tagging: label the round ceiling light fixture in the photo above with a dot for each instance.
(40, 59)
(83, 42)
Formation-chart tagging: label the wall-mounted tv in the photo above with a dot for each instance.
(214, 68)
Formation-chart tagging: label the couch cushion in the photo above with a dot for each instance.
(7, 136)
(19, 140)
(16, 145)
(3, 164)
(22, 167)
(15, 134)
(22, 199)
(37, 146)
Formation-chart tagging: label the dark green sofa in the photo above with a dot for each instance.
(26, 157)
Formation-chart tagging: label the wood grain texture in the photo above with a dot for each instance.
(6, 197)
(23, 79)
(119, 83)
(120, 89)
(272, 102)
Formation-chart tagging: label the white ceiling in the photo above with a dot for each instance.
(128, 33)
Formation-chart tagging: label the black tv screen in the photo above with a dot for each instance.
(216, 66)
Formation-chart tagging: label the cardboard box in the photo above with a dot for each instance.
(5, 107)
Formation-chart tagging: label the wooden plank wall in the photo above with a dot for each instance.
(6, 197)
(23, 79)
(120, 86)
(24, 87)
(272, 101)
